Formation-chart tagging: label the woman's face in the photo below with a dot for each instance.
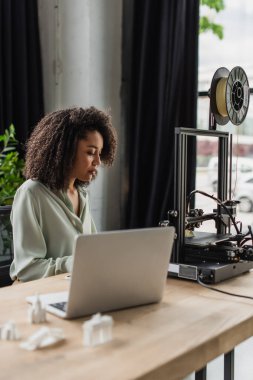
(87, 158)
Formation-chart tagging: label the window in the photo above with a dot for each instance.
(233, 50)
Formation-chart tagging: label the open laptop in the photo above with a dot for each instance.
(114, 270)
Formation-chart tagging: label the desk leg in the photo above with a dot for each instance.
(201, 374)
(229, 361)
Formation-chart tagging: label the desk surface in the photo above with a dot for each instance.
(191, 326)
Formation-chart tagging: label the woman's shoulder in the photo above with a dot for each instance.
(31, 188)
(28, 192)
(32, 185)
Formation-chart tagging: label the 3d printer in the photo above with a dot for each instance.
(211, 257)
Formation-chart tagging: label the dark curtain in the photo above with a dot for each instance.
(160, 66)
(21, 94)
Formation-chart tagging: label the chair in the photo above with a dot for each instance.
(6, 245)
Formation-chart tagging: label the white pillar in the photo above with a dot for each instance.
(81, 58)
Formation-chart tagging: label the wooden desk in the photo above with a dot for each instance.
(192, 326)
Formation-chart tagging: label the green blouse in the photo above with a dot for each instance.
(44, 230)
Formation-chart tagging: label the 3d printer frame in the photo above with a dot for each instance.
(187, 258)
(180, 178)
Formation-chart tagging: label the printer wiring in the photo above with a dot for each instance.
(222, 291)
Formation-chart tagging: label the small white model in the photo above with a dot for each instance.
(97, 330)
(43, 337)
(36, 313)
(9, 331)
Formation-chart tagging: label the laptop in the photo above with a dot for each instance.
(113, 271)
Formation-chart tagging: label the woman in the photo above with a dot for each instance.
(52, 206)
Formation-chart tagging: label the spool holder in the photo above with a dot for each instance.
(229, 97)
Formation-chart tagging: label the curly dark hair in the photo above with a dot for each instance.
(51, 148)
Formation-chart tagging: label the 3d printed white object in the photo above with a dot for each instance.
(36, 313)
(43, 337)
(97, 330)
(9, 331)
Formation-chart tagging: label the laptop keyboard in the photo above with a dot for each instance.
(60, 305)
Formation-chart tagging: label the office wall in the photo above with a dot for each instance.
(81, 57)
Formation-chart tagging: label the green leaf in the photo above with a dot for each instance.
(11, 167)
(205, 24)
(218, 5)
(7, 149)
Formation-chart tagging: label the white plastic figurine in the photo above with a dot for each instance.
(36, 313)
(43, 337)
(97, 330)
(9, 331)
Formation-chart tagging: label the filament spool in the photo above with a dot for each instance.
(229, 95)
(221, 97)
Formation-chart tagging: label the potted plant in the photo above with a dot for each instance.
(11, 167)
(11, 177)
